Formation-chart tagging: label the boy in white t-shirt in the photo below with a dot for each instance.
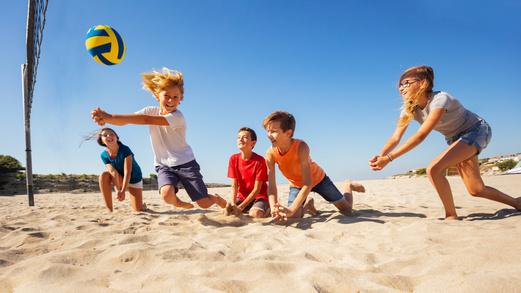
(173, 157)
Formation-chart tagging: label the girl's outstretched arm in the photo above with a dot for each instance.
(425, 129)
(393, 142)
(390, 144)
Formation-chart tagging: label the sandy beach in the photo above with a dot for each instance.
(394, 241)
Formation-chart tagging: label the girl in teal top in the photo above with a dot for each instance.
(122, 171)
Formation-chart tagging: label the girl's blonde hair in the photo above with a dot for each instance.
(422, 73)
(156, 81)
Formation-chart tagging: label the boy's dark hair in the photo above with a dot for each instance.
(286, 120)
(251, 131)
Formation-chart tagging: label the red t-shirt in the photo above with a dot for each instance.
(246, 173)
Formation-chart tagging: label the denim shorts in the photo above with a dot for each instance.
(190, 176)
(325, 188)
(478, 136)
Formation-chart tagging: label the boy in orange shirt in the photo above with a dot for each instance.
(292, 156)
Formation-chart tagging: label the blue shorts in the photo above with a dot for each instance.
(325, 188)
(190, 176)
(478, 136)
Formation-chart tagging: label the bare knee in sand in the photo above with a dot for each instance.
(169, 196)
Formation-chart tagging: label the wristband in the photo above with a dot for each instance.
(390, 157)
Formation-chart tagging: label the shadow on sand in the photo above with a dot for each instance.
(501, 214)
(356, 216)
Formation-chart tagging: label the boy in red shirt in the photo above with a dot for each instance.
(249, 175)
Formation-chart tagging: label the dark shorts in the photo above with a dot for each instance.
(188, 174)
(326, 188)
(258, 204)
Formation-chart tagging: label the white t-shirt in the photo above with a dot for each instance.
(455, 120)
(169, 142)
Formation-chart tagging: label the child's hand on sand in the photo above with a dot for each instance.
(236, 210)
(232, 210)
(280, 213)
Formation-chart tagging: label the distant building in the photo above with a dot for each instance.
(515, 157)
(494, 160)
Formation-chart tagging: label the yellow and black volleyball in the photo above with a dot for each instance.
(105, 45)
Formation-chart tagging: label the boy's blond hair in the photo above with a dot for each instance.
(286, 120)
(156, 81)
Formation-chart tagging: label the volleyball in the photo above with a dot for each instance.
(105, 45)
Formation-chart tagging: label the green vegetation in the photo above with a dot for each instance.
(422, 171)
(20, 176)
(9, 164)
(506, 165)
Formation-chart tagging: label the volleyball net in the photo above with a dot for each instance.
(34, 35)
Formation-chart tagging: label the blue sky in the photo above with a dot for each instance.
(333, 64)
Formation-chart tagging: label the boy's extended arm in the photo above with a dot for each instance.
(101, 117)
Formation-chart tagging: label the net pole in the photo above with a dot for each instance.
(27, 126)
(27, 86)
(35, 23)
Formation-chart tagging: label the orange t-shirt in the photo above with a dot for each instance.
(289, 165)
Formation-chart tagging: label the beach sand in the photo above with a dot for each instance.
(394, 241)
